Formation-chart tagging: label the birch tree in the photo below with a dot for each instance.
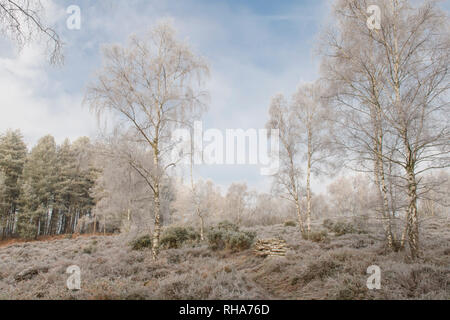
(122, 198)
(198, 208)
(417, 59)
(22, 21)
(351, 195)
(236, 201)
(206, 196)
(435, 199)
(354, 72)
(151, 86)
(315, 131)
(393, 83)
(287, 182)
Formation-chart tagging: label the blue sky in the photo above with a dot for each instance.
(255, 49)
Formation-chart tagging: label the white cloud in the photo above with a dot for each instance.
(37, 105)
(252, 57)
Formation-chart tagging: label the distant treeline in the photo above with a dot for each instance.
(47, 190)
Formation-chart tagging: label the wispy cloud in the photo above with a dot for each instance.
(255, 49)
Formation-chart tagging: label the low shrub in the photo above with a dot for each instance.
(339, 228)
(316, 236)
(227, 225)
(227, 235)
(175, 237)
(320, 269)
(361, 222)
(216, 239)
(290, 223)
(351, 290)
(174, 258)
(328, 223)
(141, 243)
(240, 240)
(89, 250)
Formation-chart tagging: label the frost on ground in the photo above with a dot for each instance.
(333, 267)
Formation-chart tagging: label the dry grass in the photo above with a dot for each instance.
(332, 269)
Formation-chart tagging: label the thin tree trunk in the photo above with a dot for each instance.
(295, 193)
(380, 178)
(157, 204)
(197, 204)
(16, 217)
(412, 217)
(239, 213)
(403, 237)
(157, 224)
(202, 228)
(104, 224)
(3, 227)
(308, 184)
(95, 224)
(38, 228)
(7, 225)
(299, 215)
(386, 221)
(390, 236)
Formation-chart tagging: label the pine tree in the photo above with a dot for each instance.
(13, 153)
(76, 177)
(85, 177)
(38, 189)
(2, 194)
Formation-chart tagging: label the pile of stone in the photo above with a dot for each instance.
(270, 247)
